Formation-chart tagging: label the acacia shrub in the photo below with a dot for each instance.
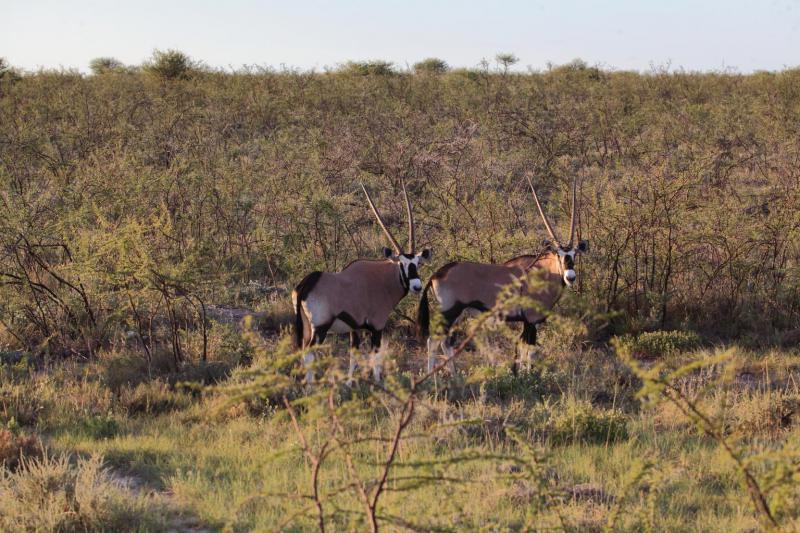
(131, 205)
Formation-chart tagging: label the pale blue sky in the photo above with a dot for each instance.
(621, 34)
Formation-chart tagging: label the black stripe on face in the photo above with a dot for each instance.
(412, 271)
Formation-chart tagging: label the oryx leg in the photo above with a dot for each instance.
(451, 317)
(433, 345)
(355, 344)
(376, 355)
(525, 347)
(318, 335)
(449, 348)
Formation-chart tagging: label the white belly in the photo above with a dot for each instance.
(316, 311)
(444, 296)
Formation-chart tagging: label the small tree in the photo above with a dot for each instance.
(101, 65)
(432, 65)
(506, 61)
(170, 65)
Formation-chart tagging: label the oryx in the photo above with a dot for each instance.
(359, 297)
(463, 286)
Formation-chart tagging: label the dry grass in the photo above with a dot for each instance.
(16, 449)
(55, 494)
(224, 464)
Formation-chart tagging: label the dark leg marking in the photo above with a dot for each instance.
(452, 314)
(355, 340)
(320, 333)
(529, 338)
(376, 338)
(349, 320)
(528, 333)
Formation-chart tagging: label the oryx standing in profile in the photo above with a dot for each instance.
(461, 286)
(359, 297)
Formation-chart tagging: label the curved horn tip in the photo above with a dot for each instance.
(386, 231)
(547, 225)
(410, 215)
(573, 209)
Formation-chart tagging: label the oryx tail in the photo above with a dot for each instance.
(424, 314)
(299, 295)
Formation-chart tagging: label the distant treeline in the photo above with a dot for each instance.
(132, 198)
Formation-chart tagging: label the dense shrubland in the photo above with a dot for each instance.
(136, 204)
(132, 198)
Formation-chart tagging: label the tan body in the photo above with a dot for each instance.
(464, 283)
(462, 287)
(361, 296)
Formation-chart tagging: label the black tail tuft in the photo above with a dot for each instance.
(301, 293)
(424, 315)
(298, 325)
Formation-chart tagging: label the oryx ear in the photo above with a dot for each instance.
(547, 244)
(583, 246)
(387, 252)
(425, 255)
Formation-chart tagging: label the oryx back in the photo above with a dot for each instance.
(462, 286)
(361, 296)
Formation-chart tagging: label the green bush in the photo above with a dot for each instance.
(561, 422)
(658, 344)
(432, 66)
(171, 65)
(102, 65)
(100, 427)
(577, 67)
(153, 397)
(499, 384)
(579, 421)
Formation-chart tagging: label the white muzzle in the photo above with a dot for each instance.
(415, 285)
(570, 276)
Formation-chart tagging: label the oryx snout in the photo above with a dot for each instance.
(415, 285)
(570, 276)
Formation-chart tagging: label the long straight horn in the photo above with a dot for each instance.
(544, 218)
(412, 245)
(572, 218)
(392, 240)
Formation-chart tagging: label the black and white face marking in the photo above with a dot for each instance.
(409, 265)
(566, 258)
